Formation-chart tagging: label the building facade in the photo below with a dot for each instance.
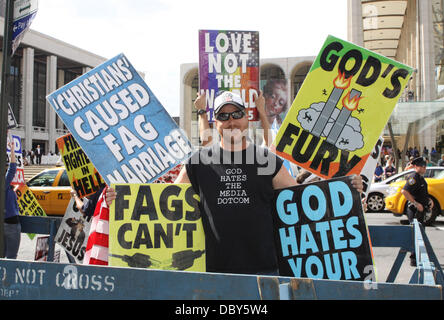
(289, 72)
(39, 66)
(411, 32)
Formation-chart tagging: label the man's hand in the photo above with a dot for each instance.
(110, 196)
(200, 102)
(357, 183)
(260, 103)
(419, 206)
(364, 204)
(11, 146)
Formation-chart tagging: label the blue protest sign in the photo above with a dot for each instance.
(120, 124)
(321, 233)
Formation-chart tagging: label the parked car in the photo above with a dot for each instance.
(397, 203)
(379, 190)
(52, 190)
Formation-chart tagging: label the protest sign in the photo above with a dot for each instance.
(73, 232)
(368, 171)
(341, 109)
(42, 250)
(229, 61)
(156, 226)
(83, 176)
(12, 122)
(28, 204)
(19, 177)
(120, 124)
(320, 232)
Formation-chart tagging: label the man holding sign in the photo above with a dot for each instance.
(235, 181)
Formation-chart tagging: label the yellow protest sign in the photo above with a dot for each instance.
(28, 203)
(82, 174)
(341, 109)
(156, 226)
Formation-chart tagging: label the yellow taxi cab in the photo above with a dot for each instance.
(397, 203)
(52, 189)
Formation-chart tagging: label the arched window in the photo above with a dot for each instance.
(299, 75)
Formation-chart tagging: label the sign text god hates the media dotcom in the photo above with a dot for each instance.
(120, 124)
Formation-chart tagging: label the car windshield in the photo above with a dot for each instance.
(440, 175)
(401, 177)
(43, 179)
(64, 180)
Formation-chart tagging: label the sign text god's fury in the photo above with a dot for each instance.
(341, 109)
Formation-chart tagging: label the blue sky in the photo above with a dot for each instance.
(158, 36)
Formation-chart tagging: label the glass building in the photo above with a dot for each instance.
(39, 66)
(411, 32)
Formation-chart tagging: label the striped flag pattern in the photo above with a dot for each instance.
(97, 246)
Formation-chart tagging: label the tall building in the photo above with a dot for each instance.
(39, 66)
(411, 32)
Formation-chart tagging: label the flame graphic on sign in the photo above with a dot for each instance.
(341, 82)
(351, 103)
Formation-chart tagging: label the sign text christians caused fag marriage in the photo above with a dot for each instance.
(120, 124)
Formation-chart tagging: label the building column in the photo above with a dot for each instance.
(28, 91)
(427, 54)
(51, 86)
(355, 31)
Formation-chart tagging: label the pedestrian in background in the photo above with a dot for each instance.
(379, 172)
(31, 156)
(38, 153)
(12, 227)
(441, 161)
(389, 169)
(409, 164)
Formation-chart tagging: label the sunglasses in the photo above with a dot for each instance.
(224, 116)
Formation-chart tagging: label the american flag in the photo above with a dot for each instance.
(97, 246)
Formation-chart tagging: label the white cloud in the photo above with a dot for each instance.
(350, 138)
(158, 36)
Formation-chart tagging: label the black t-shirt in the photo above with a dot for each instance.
(416, 185)
(235, 203)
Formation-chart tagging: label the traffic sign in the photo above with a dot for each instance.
(24, 13)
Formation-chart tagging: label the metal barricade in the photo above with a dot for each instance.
(49, 280)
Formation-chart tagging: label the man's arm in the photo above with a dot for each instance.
(77, 200)
(183, 176)
(111, 194)
(283, 179)
(11, 147)
(260, 106)
(410, 198)
(205, 132)
(12, 165)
